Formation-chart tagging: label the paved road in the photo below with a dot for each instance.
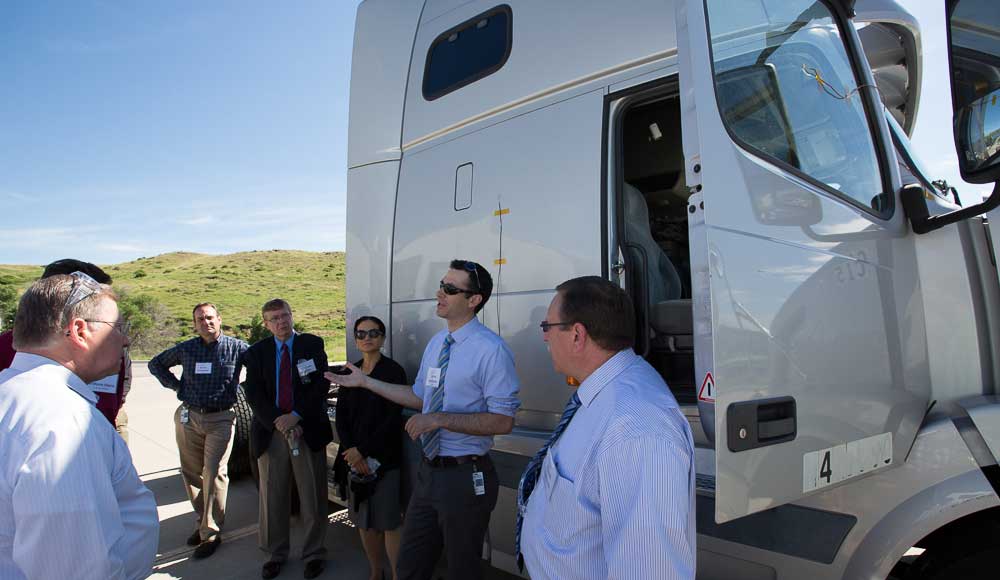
(154, 451)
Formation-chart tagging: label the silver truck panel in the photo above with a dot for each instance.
(547, 190)
(939, 483)
(892, 44)
(828, 313)
(378, 78)
(370, 208)
(546, 56)
(985, 413)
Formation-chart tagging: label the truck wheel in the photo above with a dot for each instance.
(240, 460)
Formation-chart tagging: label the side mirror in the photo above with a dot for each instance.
(974, 56)
(974, 59)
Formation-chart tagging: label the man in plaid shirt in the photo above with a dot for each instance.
(205, 421)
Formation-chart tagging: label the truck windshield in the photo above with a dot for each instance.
(787, 92)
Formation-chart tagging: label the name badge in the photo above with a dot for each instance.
(433, 378)
(306, 366)
(204, 368)
(105, 385)
(478, 483)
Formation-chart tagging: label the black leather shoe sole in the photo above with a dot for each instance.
(313, 568)
(270, 570)
(206, 549)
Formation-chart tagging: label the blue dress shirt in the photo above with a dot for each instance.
(480, 379)
(615, 498)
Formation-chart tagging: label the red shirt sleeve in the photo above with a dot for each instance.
(6, 349)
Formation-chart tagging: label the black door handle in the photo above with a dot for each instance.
(752, 424)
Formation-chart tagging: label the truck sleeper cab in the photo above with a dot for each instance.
(730, 164)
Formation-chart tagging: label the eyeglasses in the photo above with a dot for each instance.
(277, 317)
(471, 267)
(122, 326)
(545, 325)
(373, 333)
(450, 289)
(83, 287)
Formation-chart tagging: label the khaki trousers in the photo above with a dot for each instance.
(278, 467)
(205, 443)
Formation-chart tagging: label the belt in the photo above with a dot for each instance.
(206, 410)
(452, 461)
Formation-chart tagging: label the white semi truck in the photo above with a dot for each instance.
(828, 319)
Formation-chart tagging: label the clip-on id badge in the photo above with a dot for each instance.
(478, 483)
(184, 415)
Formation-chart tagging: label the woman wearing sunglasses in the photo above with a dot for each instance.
(370, 427)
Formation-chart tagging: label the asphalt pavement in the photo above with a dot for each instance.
(150, 410)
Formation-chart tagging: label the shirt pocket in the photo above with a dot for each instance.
(564, 518)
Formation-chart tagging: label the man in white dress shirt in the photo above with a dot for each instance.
(611, 495)
(71, 503)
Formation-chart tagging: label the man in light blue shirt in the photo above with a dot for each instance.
(467, 391)
(612, 493)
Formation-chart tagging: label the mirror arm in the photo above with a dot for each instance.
(922, 222)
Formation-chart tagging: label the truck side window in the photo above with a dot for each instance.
(468, 52)
(787, 92)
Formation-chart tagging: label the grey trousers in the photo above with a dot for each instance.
(445, 514)
(278, 467)
(205, 443)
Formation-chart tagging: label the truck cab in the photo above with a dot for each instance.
(825, 316)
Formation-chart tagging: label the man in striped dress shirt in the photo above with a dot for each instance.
(615, 492)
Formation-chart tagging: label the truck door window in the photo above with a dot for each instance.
(787, 92)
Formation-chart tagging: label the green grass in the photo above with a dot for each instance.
(312, 282)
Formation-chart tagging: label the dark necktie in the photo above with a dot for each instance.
(285, 401)
(534, 469)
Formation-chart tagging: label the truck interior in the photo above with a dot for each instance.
(653, 205)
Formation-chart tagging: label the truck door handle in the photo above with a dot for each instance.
(752, 424)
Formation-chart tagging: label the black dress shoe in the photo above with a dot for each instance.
(270, 569)
(194, 539)
(314, 568)
(206, 549)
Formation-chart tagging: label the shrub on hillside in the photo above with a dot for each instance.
(151, 327)
(8, 305)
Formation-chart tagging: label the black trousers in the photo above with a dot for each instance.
(446, 514)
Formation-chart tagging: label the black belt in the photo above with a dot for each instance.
(452, 461)
(207, 410)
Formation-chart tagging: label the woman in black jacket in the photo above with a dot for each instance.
(370, 427)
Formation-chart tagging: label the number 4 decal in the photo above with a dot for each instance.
(835, 464)
(824, 469)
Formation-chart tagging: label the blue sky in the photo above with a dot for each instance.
(136, 128)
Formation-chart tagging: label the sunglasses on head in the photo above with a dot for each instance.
(450, 289)
(471, 267)
(373, 333)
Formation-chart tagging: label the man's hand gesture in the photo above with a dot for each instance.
(355, 378)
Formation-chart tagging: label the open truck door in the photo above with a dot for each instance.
(810, 350)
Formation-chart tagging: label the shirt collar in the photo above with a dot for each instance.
(278, 343)
(25, 362)
(467, 330)
(597, 380)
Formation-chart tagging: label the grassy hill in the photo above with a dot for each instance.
(237, 283)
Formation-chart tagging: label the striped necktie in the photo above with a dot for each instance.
(534, 469)
(432, 439)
